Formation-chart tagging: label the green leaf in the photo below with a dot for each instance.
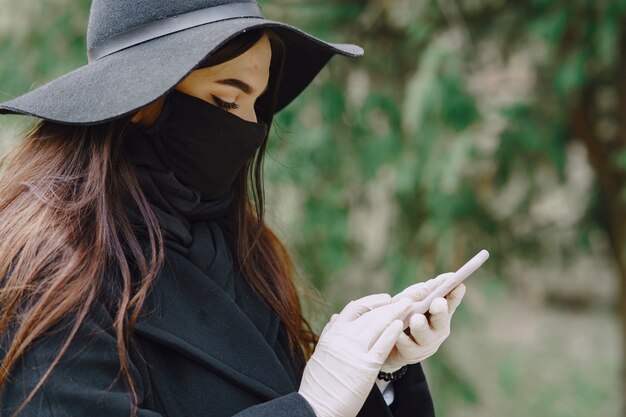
(572, 74)
(551, 26)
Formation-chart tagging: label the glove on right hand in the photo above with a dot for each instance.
(427, 334)
(351, 349)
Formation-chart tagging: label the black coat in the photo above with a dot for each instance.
(196, 353)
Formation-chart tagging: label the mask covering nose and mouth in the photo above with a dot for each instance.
(203, 145)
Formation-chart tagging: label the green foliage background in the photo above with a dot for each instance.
(468, 124)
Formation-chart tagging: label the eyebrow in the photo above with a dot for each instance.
(233, 82)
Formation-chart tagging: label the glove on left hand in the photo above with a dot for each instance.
(341, 372)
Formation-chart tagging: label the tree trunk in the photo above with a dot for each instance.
(611, 181)
(620, 258)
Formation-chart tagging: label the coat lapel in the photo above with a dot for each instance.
(188, 312)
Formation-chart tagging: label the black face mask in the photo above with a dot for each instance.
(203, 145)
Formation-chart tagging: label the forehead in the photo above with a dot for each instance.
(254, 63)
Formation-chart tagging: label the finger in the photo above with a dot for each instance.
(387, 340)
(407, 348)
(420, 330)
(355, 309)
(426, 344)
(373, 323)
(439, 314)
(419, 291)
(455, 297)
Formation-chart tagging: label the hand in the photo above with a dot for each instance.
(352, 347)
(426, 334)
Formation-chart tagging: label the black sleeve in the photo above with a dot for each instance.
(411, 395)
(290, 405)
(411, 398)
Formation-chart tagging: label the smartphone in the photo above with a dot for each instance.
(451, 282)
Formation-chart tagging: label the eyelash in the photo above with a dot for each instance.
(225, 104)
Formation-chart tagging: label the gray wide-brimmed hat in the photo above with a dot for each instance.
(140, 49)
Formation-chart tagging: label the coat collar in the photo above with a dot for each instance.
(188, 312)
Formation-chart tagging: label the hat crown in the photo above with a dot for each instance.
(108, 18)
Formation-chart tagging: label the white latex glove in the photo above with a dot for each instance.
(426, 334)
(341, 372)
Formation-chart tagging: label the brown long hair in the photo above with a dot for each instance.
(65, 234)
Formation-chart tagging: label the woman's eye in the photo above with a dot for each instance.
(226, 105)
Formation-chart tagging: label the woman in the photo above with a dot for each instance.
(139, 276)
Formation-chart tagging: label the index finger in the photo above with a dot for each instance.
(354, 309)
(373, 323)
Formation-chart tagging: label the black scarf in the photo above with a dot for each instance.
(199, 230)
(195, 228)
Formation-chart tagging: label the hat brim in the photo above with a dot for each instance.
(125, 81)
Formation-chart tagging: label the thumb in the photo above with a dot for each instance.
(387, 340)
